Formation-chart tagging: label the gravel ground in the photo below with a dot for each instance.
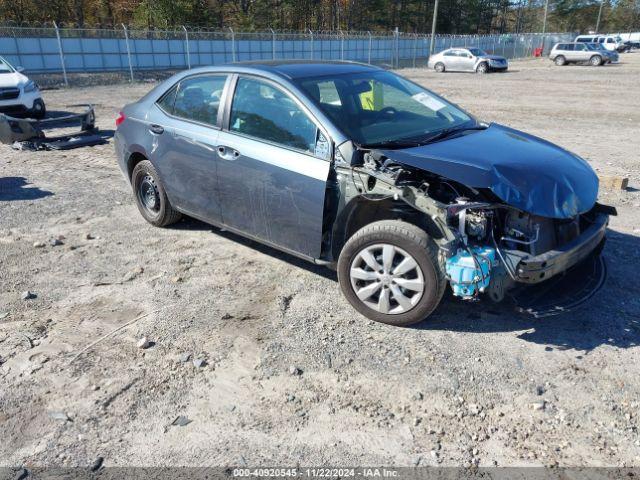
(291, 373)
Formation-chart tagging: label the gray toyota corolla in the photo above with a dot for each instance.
(357, 168)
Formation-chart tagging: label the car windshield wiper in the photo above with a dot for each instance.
(448, 132)
(416, 142)
(392, 143)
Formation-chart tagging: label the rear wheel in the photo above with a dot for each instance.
(151, 197)
(596, 60)
(389, 272)
(482, 68)
(439, 67)
(560, 61)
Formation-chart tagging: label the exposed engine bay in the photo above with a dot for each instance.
(485, 245)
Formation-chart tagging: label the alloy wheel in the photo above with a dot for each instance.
(387, 279)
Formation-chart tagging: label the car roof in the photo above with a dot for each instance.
(304, 68)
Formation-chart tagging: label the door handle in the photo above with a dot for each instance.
(157, 129)
(227, 153)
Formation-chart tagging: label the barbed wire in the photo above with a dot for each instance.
(70, 29)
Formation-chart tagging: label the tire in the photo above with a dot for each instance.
(482, 68)
(596, 60)
(439, 67)
(560, 61)
(407, 241)
(151, 197)
(38, 110)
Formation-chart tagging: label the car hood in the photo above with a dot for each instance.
(493, 57)
(524, 171)
(13, 79)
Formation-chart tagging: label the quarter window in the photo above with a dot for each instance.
(198, 98)
(265, 112)
(167, 100)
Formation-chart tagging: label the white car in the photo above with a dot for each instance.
(19, 96)
(467, 60)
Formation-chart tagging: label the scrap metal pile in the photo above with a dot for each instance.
(30, 134)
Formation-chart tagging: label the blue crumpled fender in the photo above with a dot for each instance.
(522, 170)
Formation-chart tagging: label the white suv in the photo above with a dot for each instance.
(18, 94)
(610, 42)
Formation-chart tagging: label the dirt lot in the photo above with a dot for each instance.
(476, 383)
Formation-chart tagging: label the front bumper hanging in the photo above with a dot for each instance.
(542, 267)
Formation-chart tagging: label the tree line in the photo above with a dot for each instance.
(454, 17)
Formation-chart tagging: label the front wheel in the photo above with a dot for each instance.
(482, 68)
(596, 60)
(38, 110)
(389, 272)
(560, 61)
(439, 67)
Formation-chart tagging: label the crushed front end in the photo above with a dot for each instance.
(487, 246)
(498, 247)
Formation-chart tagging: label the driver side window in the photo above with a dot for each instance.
(265, 112)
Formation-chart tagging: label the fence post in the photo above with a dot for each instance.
(415, 47)
(126, 40)
(186, 39)
(369, 54)
(395, 53)
(311, 35)
(341, 45)
(233, 44)
(64, 69)
(273, 44)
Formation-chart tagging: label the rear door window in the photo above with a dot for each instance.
(198, 98)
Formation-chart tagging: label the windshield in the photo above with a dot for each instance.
(378, 106)
(476, 52)
(5, 67)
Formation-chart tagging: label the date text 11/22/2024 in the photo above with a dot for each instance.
(365, 472)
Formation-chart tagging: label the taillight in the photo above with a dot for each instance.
(121, 118)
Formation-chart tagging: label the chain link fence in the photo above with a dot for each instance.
(68, 51)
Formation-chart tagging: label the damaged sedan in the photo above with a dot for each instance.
(354, 167)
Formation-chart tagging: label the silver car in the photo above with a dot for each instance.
(467, 60)
(577, 52)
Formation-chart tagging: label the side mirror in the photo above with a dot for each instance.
(19, 69)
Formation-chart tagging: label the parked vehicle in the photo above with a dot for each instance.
(610, 42)
(354, 167)
(18, 94)
(611, 54)
(466, 60)
(566, 53)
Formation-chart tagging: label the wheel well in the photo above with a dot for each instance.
(362, 212)
(133, 160)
